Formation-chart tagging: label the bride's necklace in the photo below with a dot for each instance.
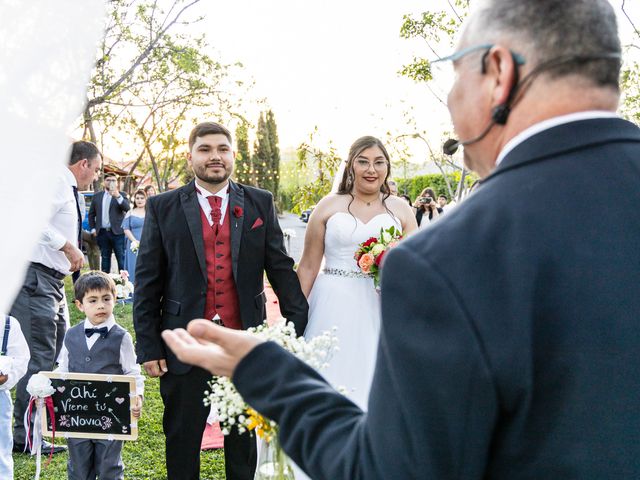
(367, 203)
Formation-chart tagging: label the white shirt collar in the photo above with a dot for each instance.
(70, 178)
(550, 123)
(222, 193)
(111, 321)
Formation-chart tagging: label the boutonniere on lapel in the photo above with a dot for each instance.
(237, 212)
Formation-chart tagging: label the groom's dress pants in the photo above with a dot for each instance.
(184, 420)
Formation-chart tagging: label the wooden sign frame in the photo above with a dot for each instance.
(133, 422)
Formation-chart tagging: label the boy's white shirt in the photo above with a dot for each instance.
(127, 353)
(18, 355)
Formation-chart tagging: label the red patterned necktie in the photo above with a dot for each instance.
(216, 213)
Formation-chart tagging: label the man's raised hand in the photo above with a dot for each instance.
(210, 346)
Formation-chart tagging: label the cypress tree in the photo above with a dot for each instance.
(272, 131)
(262, 156)
(243, 159)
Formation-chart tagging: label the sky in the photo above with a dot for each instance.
(333, 64)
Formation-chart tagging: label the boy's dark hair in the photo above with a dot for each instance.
(111, 175)
(93, 280)
(81, 150)
(208, 128)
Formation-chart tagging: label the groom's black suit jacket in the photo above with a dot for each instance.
(171, 271)
(520, 357)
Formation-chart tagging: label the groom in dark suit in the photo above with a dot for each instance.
(520, 359)
(204, 250)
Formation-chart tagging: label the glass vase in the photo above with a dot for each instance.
(273, 463)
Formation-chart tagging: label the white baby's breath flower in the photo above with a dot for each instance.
(229, 404)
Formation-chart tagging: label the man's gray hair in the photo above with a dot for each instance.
(554, 29)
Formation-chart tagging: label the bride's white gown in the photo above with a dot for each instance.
(342, 298)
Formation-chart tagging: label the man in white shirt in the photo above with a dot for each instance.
(40, 306)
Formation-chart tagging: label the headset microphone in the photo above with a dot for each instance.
(498, 116)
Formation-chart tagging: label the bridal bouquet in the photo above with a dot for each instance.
(135, 246)
(370, 253)
(232, 411)
(124, 288)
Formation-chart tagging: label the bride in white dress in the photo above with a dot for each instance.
(338, 293)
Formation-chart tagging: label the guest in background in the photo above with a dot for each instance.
(407, 198)
(14, 358)
(426, 206)
(393, 187)
(443, 202)
(106, 213)
(89, 242)
(132, 226)
(150, 190)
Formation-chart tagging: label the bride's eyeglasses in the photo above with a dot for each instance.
(377, 165)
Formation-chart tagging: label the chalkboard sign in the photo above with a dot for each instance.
(92, 406)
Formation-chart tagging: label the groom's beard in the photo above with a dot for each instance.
(213, 178)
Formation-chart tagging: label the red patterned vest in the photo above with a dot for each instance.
(222, 296)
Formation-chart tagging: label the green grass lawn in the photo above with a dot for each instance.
(144, 458)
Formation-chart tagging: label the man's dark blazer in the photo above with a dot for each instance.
(520, 358)
(117, 212)
(171, 271)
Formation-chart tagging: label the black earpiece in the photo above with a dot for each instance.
(500, 114)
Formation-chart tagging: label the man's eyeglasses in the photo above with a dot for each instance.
(517, 58)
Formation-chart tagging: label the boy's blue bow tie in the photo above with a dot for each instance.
(103, 331)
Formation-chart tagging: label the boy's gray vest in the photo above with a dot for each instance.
(104, 356)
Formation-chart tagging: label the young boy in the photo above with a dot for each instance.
(14, 359)
(98, 345)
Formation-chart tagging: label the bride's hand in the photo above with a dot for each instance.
(210, 346)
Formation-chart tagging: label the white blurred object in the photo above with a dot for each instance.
(47, 52)
(337, 177)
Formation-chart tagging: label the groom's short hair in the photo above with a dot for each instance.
(208, 128)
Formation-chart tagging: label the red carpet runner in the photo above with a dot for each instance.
(212, 437)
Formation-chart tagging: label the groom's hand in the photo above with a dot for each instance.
(210, 346)
(155, 368)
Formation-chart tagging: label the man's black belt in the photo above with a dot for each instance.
(48, 270)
